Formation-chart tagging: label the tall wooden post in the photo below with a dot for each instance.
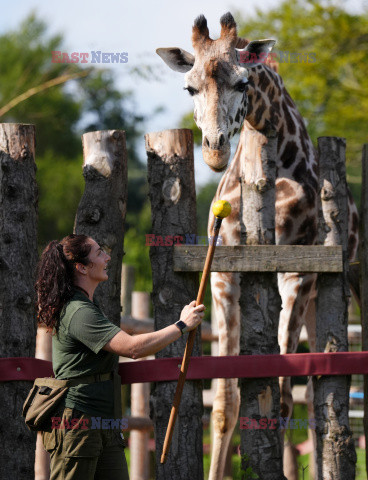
(173, 204)
(363, 257)
(260, 305)
(101, 211)
(43, 352)
(336, 455)
(139, 452)
(18, 259)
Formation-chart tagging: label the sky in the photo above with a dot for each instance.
(138, 27)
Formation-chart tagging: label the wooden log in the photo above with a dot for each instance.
(260, 258)
(173, 206)
(139, 453)
(18, 259)
(363, 256)
(260, 305)
(43, 352)
(336, 455)
(101, 211)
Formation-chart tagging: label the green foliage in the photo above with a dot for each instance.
(204, 199)
(25, 58)
(187, 121)
(61, 184)
(136, 252)
(330, 93)
(248, 473)
(61, 113)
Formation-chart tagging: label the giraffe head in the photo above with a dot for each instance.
(216, 76)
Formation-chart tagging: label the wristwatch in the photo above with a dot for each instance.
(181, 326)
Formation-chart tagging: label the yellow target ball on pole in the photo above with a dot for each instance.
(221, 209)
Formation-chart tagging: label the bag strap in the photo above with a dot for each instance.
(55, 382)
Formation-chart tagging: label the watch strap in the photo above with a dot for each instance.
(181, 326)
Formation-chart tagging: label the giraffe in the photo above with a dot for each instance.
(232, 89)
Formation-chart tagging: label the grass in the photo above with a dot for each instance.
(303, 462)
(296, 436)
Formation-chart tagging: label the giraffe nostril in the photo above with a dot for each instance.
(206, 142)
(222, 139)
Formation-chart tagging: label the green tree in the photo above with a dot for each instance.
(61, 113)
(26, 62)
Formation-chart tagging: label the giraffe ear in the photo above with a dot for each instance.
(177, 59)
(254, 53)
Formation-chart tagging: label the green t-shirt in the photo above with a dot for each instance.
(77, 352)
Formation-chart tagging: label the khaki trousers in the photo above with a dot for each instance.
(84, 453)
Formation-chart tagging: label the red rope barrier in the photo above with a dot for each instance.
(243, 366)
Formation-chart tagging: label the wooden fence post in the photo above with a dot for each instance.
(336, 455)
(18, 260)
(260, 305)
(363, 257)
(139, 452)
(173, 206)
(101, 211)
(44, 352)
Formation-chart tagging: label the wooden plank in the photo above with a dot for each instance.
(260, 258)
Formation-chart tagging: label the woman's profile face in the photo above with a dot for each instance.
(97, 268)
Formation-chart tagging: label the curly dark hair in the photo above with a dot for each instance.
(55, 276)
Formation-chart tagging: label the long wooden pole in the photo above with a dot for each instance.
(190, 343)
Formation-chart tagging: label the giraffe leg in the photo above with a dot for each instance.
(295, 290)
(225, 292)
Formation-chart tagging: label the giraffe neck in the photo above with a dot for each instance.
(269, 103)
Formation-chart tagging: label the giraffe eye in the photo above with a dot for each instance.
(192, 91)
(241, 86)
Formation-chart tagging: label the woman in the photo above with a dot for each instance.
(84, 441)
